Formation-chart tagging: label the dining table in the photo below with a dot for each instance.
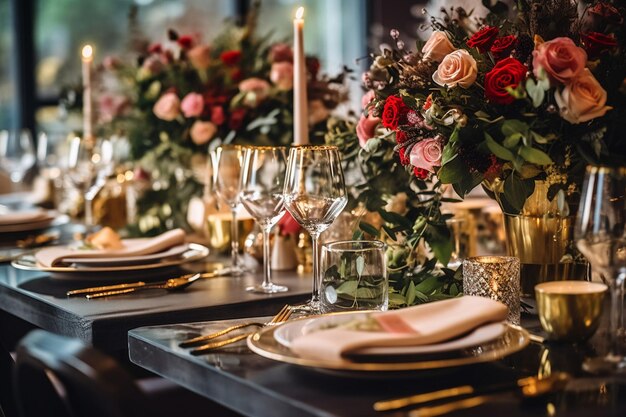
(256, 386)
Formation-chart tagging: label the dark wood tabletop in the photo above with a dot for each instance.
(259, 387)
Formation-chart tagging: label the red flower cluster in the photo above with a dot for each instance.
(502, 47)
(420, 173)
(394, 112)
(595, 43)
(230, 58)
(483, 39)
(185, 41)
(509, 72)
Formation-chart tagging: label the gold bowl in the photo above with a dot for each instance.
(217, 231)
(570, 311)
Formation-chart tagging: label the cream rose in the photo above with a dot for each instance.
(167, 107)
(426, 154)
(437, 47)
(457, 68)
(582, 99)
(201, 132)
(256, 90)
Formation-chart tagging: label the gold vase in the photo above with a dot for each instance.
(543, 240)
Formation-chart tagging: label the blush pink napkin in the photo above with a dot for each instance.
(414, 326)
(19, 217)
(132, 247)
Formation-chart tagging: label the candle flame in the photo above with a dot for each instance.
(300, 12)
(87, 52)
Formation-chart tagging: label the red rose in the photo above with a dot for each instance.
(507, 73)
(313, 66)
(595, 43)
(394, 112)
(236, 75)
(155, 48)
(483, 39)
(401, 137)
(420, 173)
(185, 41)
(404, 158)
(606, 12)
(230, 58)
(236, 119)
(502, 47)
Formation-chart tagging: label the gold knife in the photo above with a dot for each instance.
(442, 409)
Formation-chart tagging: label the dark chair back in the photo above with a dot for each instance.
(7, 402)
(59, 376)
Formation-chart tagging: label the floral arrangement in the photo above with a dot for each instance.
(498, 101)
(185, 97)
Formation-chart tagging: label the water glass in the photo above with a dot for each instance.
(495, 277)
(354, 276)
(17, 153)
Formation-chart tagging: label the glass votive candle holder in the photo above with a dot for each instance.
(495, 277)
(354, 276)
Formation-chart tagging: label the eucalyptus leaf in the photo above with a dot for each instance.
(348, 288)
(497, 149)
(360, 265)
(535, 156)
(369, 229)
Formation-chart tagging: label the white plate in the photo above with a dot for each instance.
(28, 226)
(195, 252)
(126, 260)
(289, 331)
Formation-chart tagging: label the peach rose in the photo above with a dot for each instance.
(167, 107)
(560, 58)
(256, 90)
(426, 154)
(281, 74)
(366, 129)
(582, 99)
(437, 47)
(200, 56)
(192, 105)
(457, 68)
(367, 99)
(201, 132)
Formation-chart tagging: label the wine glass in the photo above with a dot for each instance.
(601, 237)
(315, 194)
(17, 153)
(227, 161)
(88, 166)
(262, 183)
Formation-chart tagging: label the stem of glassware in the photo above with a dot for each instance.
(234, 238)
(315, 298)
(616, 286)
(267, 278)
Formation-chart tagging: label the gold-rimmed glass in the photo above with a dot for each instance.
(314, 194)
(600, 236)
(262, 183)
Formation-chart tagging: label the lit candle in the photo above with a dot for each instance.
(300, 103)
(87, 57)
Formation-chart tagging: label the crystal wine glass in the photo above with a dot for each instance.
(601, 237)
(262, 183)
(227, 163)
(315, 194)
(17, 153)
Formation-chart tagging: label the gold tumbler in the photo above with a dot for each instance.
(218, 231)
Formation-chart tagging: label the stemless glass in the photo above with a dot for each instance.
(17, 153)
(262, 183)
(601, 237)
(315, 194)
(227, 160)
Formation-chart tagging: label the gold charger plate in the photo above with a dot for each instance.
(29, 263)
(512, 340)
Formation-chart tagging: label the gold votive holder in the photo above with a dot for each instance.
(218, 231)
(495, 277)
(570, 311)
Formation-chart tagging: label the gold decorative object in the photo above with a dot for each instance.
(495, 277)
(109, 206)
(543, 241)
(218, 231)
(304, 253)
(570, 310)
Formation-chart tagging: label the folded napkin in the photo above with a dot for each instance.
(132, 247)
(414, 326)
(19, 217)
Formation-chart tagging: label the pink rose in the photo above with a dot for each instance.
(256, 90)
(201, 132)
(217, 115)
(582, 99)
(366, 129)
(200, 57)
(282, 75)
(367, 99)
(167, 107)
(426, 154)
(110, 106)
(153, 65)
(192, 105)
(437, 47)
(281, 52)
(560, 58)
(457, 68)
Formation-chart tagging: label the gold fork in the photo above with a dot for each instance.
(282, 316)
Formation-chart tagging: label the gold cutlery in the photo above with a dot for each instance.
(528, 387)
(34, 241)
(172, 284)
(280, 317)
